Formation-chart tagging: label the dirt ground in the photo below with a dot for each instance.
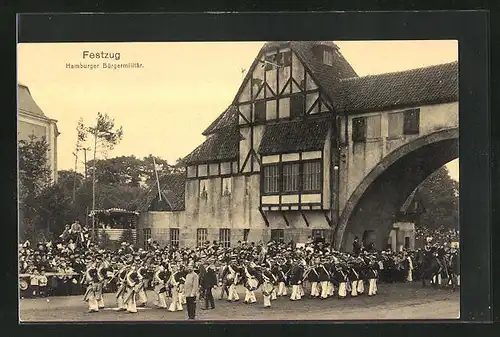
(395, 301)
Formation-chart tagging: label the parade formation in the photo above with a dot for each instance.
(278, 269)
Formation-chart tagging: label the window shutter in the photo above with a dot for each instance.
(359, 129)
(411, 122)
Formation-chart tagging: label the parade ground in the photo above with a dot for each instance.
(393, 302)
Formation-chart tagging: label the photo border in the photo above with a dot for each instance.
(470, 28)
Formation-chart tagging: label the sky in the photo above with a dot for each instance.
(165, 105)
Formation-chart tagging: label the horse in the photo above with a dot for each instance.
(429, 267)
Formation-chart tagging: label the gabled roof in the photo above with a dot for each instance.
(229, 118)
(327, 77)
(294, 136)
(421, 86)
(25, 101)
(220, 146)
(172, 191)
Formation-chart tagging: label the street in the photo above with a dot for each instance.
(393, 302)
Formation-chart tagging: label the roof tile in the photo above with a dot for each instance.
(429, 85)
(294, 136)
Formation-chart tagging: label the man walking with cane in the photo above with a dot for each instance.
(191, 289)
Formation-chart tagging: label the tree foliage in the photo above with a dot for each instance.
(439, 195)
(34, 178)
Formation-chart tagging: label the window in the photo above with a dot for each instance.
(201, 236)
(311, 176)
(277, 235)
(318, 233)
(411, 122)
(226, 187)
(328, 57)
(204, 188)
(174, 237)
(287, 59)
(271, 179)
(260, 111)
(359, 129)
(291, 177)
(147, 236)
(270, 62)
(245, 234)
(225, 237)
(407, 242)
(296, 105)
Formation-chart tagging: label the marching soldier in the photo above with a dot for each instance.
(233, 276)
(267, 285)
(223, 283)
(251, 283)
(312, 276)
(296, 273)
(281, 279)
(159, 286)
(122, 288)
(92, 281)
(175, 285)
(324, 278)
(342, 279)
(372, 274)
(141, 288)
(131, 293)
(102, 276)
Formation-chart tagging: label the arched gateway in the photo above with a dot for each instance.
(375, 201)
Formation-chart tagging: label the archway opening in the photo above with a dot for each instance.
(377, 208)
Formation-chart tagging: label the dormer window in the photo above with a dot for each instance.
(328, 57)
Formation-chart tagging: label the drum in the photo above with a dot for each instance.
(252, 283)
(23, 284)
(267, 288)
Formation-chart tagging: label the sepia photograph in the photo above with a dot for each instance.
(238, 181)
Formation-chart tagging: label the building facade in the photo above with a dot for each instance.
(273, 163)
(32, 121)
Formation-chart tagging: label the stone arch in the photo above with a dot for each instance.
(386, 187)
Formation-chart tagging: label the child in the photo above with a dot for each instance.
(42, 283)
(34, 282)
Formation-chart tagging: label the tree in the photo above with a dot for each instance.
(439, 195)
(34, 170)
(105, 137)
(34, 177)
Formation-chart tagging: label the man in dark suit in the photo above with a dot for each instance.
(209, 281)
(356, 246)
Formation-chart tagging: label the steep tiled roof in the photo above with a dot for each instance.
(294, 136)
(328, 77)
(173, 192)
(434, 84)
(25, 101)
(229, 118)
(220, 146)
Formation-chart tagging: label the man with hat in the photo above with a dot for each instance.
(209, 281)
(191, 289)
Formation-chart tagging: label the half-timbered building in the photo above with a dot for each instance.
(269, 167)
